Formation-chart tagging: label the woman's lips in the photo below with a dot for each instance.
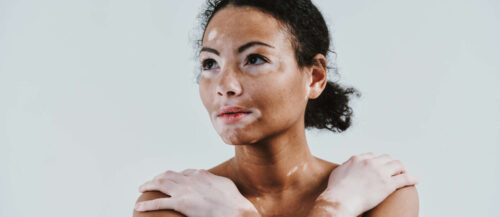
(233, 117)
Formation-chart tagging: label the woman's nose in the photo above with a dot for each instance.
(228, 84)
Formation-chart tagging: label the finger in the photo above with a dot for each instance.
(362, 156)
(394, 167)
(156, 204)
(172, 175)
(404, 179)
(205, 172)
(141, 186)
(166, 187)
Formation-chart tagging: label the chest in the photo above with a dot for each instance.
(283, 208)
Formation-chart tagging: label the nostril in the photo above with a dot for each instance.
(229, 93)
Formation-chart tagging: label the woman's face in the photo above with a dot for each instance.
(248, 62)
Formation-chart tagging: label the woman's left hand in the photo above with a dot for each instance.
(197, 193)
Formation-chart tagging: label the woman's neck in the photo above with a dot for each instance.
(275, 165)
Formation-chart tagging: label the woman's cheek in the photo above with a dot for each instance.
(208, 74)
(261, 69)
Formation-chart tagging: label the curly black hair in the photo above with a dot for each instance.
(310, 36)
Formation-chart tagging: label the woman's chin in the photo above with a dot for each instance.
(238, 139)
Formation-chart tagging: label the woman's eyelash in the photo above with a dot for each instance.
(208, 63)
(253, 59)
(256, 57)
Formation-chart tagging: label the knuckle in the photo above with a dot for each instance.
(188, 172)
(169, 172)
(369, 163)
(159, 181)
(194, 173)
(355, 158)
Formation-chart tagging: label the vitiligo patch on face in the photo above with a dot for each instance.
(207, 74)
(212, 34)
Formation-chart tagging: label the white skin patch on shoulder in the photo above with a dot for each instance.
(304, 167)
(212, 34)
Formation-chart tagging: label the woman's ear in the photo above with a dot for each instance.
(317, 76)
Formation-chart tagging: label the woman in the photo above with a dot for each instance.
(263, 82)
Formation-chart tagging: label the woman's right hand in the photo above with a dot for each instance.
(197, 193)
(362, 182)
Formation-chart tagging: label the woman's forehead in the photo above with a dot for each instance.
(241, 24)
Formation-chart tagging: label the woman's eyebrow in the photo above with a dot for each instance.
(211, 50)
(250, 44)
(240, 49)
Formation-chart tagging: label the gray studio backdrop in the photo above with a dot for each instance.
(97, 97)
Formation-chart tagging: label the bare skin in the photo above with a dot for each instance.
(273, 167)
(296, 200)
(291, 200)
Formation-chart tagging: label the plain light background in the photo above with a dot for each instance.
(98, 96)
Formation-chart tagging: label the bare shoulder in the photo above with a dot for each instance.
(221, 169)
(327, 164)
(151, 195)
(402, 203)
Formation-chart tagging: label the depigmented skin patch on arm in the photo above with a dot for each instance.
(150, 195)
(401, 203)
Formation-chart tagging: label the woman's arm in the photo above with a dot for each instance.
(364, 183)
(402, 203)
(150, 195)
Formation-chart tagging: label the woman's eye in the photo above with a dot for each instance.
(256, 59)
(209, 64)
